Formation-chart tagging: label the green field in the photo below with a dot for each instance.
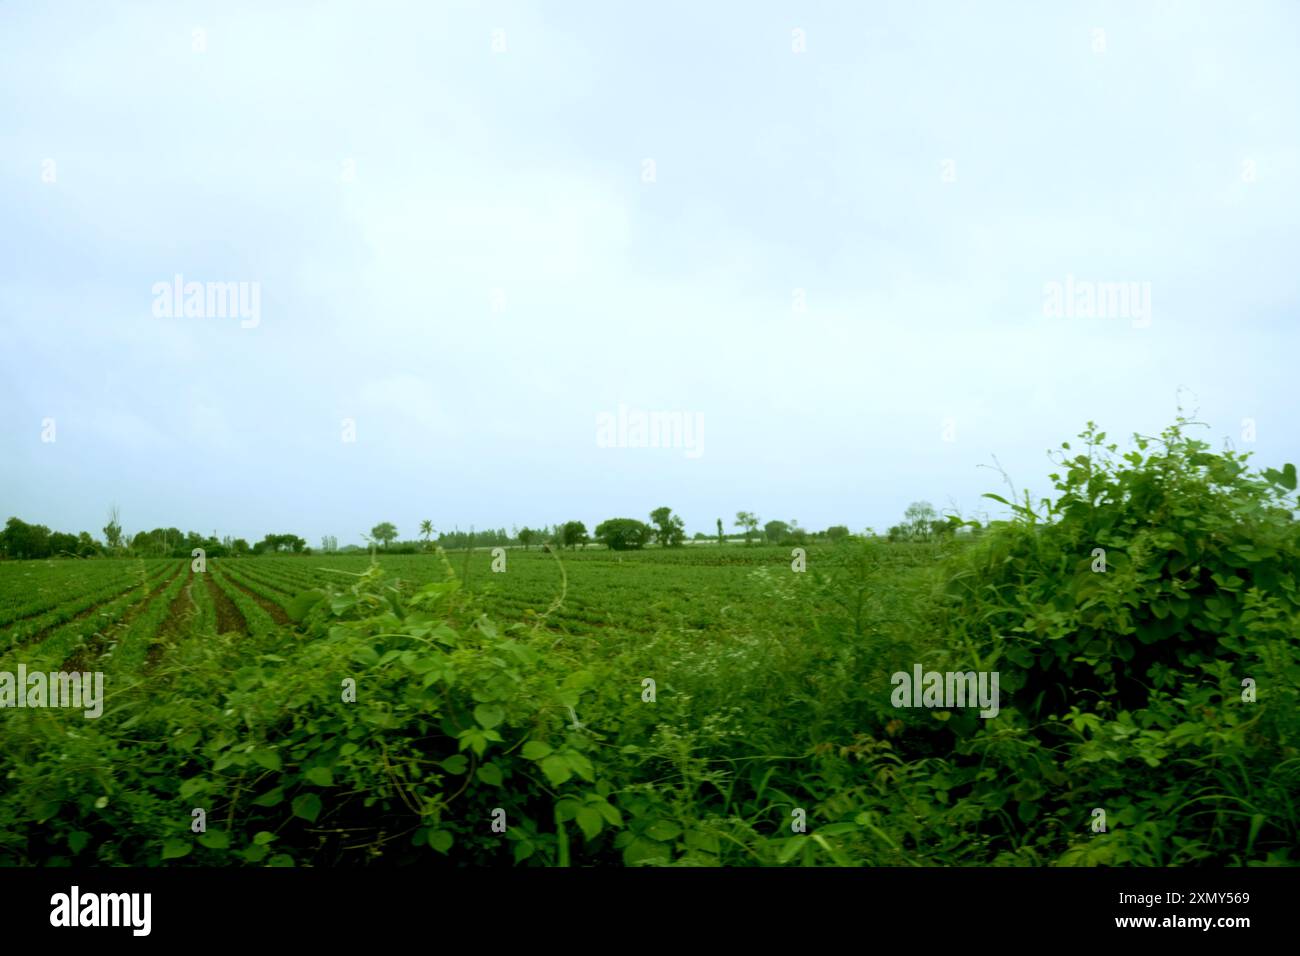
(704, 705)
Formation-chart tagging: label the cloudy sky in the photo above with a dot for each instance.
(826, 230)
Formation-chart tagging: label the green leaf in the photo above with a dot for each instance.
(1256, 823)
(557, 769)
(77, 840)
(490, 774)
(300, 605)
(644, 851)
(439, 840)
(835, 829)
(566, 809)
(609, 812)
(792, 846)
(578, 680)
(536, 750)
(256, 854)
(455, 765)
(263, 837)
(270, 798)
(581, 765)
(704, 841)
(280, 859)
(590, 821)
(321, 776)
(663, 831)
(307, 806)
(268, 759)
(489, 715)
(215, 839)
(175, 848)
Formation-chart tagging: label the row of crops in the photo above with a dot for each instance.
(596, 591)
(121, 614)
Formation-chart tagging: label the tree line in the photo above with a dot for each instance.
(21, 540)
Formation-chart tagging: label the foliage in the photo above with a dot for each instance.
(684, 707)
(670, 530)
(623, 534)
(572, 533)
(748, 521)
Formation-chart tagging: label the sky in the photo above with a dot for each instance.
(825, 233)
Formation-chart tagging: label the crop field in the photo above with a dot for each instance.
(711, 705)
(166, 635)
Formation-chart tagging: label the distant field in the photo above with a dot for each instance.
(111, 610)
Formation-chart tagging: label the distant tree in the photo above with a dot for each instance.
(623, 534)
(63, 545)
(942, 528)
(918, 519)
(384, 533)
(426, 529)
(22, 540)
(719, 531)
(113, 530)
(574, 533)
(87, 547)
(776, 531)
(671, 529)
(526, 537)
(748, 521)
(239, 546)
(836, 532)
(275, 543)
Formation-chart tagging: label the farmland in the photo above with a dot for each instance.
(712, 705)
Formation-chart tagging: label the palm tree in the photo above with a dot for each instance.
(426, 529)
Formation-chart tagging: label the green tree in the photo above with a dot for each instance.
(526, 537)
(574, 533)
(63, 544)
(776, 531)
(623, 534)
(113, 530)
(671, 529)
(384, 533)
(748, 521)
(22, 540)
(87, 547)
(426, 529)
(275, 543)
(918, 519)
(720, 531)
